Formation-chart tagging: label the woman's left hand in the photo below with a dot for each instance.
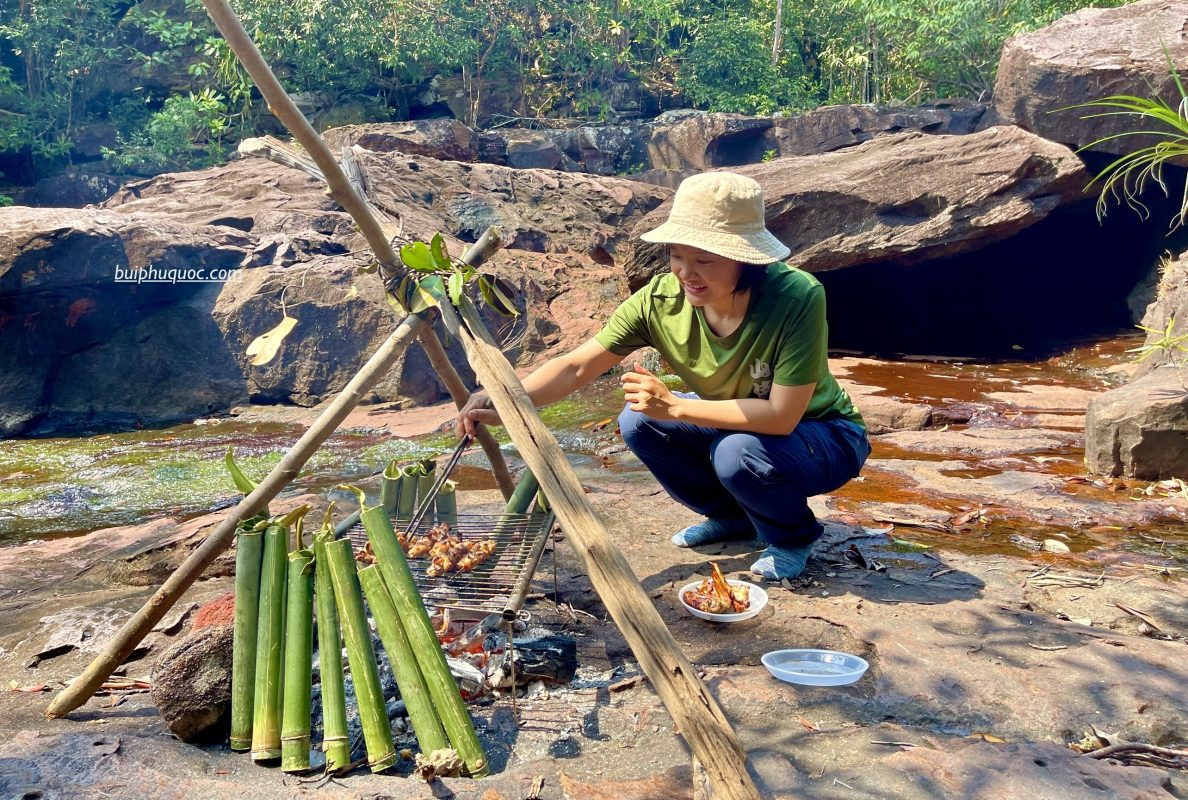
(647, 394)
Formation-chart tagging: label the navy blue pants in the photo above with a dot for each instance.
(728, 474)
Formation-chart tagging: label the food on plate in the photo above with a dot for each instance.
(715, 596)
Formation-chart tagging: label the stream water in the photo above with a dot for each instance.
(57, 487)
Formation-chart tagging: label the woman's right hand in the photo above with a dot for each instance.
(478, 408)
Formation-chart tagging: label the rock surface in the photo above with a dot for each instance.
(1089, 55)
(192, 683)
(902, 199)
(1141, 429)
(84, 343)
(1167, 318)
(674, 143)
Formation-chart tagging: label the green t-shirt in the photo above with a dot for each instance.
(782, 339)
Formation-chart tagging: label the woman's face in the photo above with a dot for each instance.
(707, 279)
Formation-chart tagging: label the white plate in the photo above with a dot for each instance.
(815, 667)
(758, 598)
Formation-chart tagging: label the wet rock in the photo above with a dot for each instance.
(885, 414)
(901, 199)
(1086, 56)
(987, 771)
(191, 683)
(980, 442)
(1141, 429)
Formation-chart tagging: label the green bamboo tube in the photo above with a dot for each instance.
(408, 491)
(526, 489)
(249, 551)
(518, 503)
(377, 732)
(336, 743)
(266, 717)
(390, 486)
(411, 609)
(446, 504)
(425, 723)
(425, 482)
(295, 720)
(542, 503)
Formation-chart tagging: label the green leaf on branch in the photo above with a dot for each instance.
(497, 294)
(427, 294)
(440, 257)
(417, 256)
(456, 285)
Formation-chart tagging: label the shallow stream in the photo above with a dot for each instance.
(58, 487)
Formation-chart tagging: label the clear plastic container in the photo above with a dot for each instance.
(815, 667)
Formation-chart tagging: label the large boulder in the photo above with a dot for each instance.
(74, 282)
(1141, 429)
(442, 138)
(191, 683)
(699, 140)
(1086, 56)
(901, 199)
(121, 355)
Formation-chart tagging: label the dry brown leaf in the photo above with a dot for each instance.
(265, 346)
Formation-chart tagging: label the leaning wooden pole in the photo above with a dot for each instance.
(285, 110)
(460, 394)
(697, 715)
(137, 627)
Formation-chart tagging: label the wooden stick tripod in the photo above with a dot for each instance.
(698, 717)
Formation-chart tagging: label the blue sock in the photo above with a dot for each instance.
(712, 530)
(782, 562)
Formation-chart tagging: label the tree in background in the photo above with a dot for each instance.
(164, 80)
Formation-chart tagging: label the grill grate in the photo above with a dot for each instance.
(499, 584)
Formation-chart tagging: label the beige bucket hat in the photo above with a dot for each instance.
(722, 213)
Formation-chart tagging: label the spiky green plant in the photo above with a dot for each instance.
(1125, 178)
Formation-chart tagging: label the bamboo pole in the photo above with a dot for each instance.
(369, 696)
(249, 550)
(138, 626)
(295, 716)
(447, 698)
(270, 636)
(697, 715)
(336, 743)
(460, 394)
(424, 720)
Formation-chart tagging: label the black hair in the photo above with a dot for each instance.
(749, 276)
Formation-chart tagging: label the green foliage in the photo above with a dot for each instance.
(728, 68)
(5, 200)
(144, 69)
(185, 134)
(1125, 178)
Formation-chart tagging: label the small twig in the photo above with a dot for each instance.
(897, 744)
(1140, 748)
